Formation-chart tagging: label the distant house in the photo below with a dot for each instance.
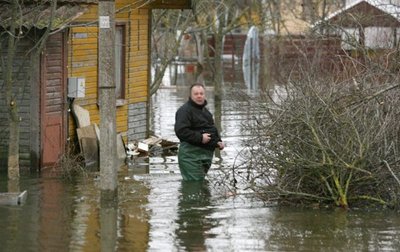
(362, 29)
(373, 24)
(71, 57)
(296, 16)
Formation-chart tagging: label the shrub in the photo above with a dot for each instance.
(328, 142)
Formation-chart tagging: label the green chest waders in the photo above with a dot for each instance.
(194, 161)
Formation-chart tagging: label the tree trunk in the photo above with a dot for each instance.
(13, 145)
(219, 71)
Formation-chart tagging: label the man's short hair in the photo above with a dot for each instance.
(197, 84)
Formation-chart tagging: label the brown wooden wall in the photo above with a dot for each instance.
(39, 80)
(22, 77)
(295, 56)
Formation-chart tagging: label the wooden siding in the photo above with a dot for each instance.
(82, 62)
(22, 76)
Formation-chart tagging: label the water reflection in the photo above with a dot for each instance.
(157, 211)
(311, 230)
(133, 215)
(194, 207)
(108, 224)
(42, 223)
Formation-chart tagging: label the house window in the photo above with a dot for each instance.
(120, 63)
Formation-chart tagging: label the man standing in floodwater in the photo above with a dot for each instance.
(194, 126)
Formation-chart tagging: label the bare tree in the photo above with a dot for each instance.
(217, 19)
(168, 29)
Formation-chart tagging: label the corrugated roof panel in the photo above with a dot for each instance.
(39, 15)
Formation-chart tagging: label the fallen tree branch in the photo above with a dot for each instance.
(370, 97)
(391, 171)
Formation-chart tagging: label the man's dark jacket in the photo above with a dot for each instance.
(191, 121)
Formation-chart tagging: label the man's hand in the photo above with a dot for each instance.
(221, 145)
(206, 138)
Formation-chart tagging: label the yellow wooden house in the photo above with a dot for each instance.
(132, 57)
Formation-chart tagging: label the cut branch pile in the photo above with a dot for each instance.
(329, 143)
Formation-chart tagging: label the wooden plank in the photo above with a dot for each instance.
(88, 138)
(143, 147)
(152, 140)
(13, 198)
(82, 116)
(86, 132)
(121, 152)
(90, 148)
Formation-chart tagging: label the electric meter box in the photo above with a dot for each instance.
(76, 87)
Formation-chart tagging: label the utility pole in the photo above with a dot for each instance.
(106, 84)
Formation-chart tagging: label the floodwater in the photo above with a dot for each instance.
(157, 211)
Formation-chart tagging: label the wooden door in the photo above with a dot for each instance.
(53, 100)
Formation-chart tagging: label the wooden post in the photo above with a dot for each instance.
(107, 102)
